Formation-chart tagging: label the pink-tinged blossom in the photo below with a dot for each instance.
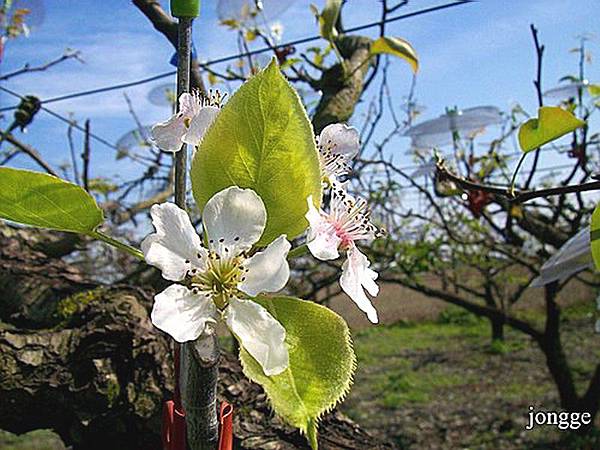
(329, 233)
(196, 114)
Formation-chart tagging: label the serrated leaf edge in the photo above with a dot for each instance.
(340, 398)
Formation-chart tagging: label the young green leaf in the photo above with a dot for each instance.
(553, 122)
(594, 90)
(396, 47)
(44, 201)
(595, 237)
(327, 18)
(262, 139)
(322, 362)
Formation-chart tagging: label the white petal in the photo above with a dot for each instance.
(167, 135)
(321, 238)
(174, 243)
(268, 271)
(181, 313)
(259, 333)
(356, 276)
(234, 219)
(199, 124)
(341, 139)
(189, 105)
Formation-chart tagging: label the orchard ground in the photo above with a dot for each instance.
(428, 376)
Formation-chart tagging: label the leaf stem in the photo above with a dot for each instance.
(117, 244)
(296, 252)
(514, 176)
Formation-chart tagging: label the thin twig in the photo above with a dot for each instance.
(517, 196)
(69, 54)
(32, 153)
(86, 156)
(539, 51)
(72, 152)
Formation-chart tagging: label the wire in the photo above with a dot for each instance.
(245, 54)
(66, 120)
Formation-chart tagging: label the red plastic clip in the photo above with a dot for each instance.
(226, 431)
(173, 427)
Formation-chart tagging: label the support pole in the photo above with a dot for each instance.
(184, 51)
(198, 369)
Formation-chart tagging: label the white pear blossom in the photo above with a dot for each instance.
(196, 114)
(347, 222)
(338, 144)
(219, 281)
(277, 31)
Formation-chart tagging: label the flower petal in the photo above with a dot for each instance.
(340, 139)
(174, 243)
(322, 239)
(181, 313)
(199, 124)
(259, 333)
(234, 219)
(268, 271)
(189, 104)
(167, 135)
(356, 276)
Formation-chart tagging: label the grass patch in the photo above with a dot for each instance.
(407, 386)
(379, 342)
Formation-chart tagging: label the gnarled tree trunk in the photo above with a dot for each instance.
(94, 369)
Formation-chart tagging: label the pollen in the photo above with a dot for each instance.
(220, 279)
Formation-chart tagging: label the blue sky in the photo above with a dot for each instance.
(476, 54)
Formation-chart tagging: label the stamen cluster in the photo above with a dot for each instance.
(332, 162)
(351, 217)
(220, 277)
(214, 97)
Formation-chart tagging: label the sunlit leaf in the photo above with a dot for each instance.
(327, 18)
(396, 47)
(553, 122)
(262, 139)
(594, 90)
(595, 237)
(44, 201)
(322, 362)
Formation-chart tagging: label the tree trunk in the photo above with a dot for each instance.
(497, 329)
(342, 90)
(94, 369)
(551, 345)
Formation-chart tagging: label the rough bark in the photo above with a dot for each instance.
(97, 372)
(31, 283)
(342, 91)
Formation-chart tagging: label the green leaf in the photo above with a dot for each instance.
(396, 47)
(595, 237)
(327, 18)
(322, 362)
(44, 201)
(553, 123)
(262, 139)
(594, 90)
